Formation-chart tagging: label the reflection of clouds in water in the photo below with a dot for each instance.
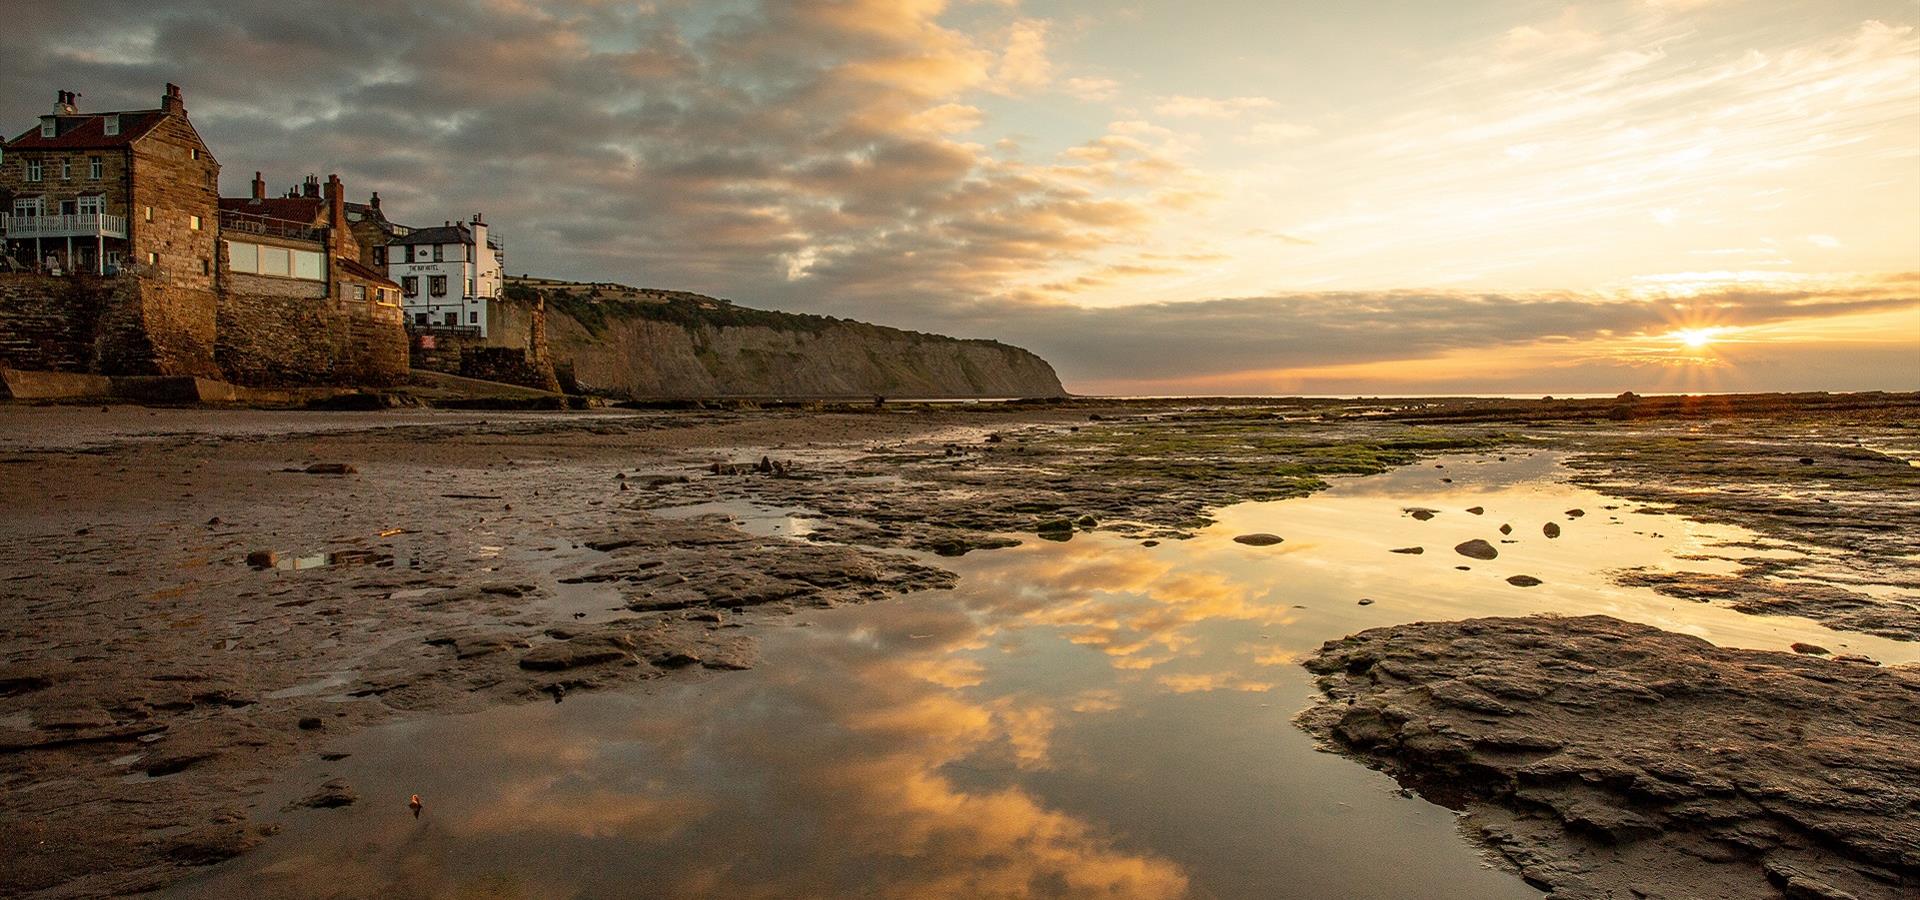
(1135, 607)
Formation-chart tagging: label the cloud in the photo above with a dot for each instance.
(1210, 107)
(1091, 89)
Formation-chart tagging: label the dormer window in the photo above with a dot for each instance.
(48, 128)
(111, 124)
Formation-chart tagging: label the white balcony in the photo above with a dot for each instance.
(86, 225)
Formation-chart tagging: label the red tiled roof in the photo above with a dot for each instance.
(358, 269)
(90, 133)
(305, 210)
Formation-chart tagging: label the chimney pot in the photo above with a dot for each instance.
(375, 202)
(259, 187)
(171, 102)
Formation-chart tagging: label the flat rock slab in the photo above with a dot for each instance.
(1605, 758)
(1258, 540)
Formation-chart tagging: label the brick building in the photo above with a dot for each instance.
(102, 192)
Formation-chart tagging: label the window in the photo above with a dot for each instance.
(66, 170)
(242, 257)
(276, 261)
(26, 208)
(91, 206)
(419, 318)
(410, 286)
(206, 266)
(112, 125)
(439, 253)
(307, 264)
(473, 318)
(153, 259)
(33, 170)
(379, 256)
(360, 292)
(453, 319)
(95, 167)
(149, 213)
(193, 222)
(437, 285)
(470, 292)
(194, 153)
(47, 127)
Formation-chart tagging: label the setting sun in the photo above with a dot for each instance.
(1696, 338)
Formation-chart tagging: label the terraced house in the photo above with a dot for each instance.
(99, 192)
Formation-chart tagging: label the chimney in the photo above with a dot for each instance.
(375, 202)
(312, 187)
(171, 102)
(66, 103)
(339, 238)
(259, 187)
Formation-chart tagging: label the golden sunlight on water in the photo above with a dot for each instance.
(1089, 717)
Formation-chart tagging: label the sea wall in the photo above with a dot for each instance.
(124, 325)
(284, 339)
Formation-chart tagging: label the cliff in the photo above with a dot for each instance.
(647, 343)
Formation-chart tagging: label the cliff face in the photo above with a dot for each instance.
(672, 344)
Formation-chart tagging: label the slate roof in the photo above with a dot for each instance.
(305, 210)
(88, 131)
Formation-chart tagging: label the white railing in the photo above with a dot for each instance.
(78, 225)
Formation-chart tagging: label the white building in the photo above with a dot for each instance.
(447, 275)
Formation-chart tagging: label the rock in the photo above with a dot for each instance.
(1576, 513)
(263, 559)
(1055, 529)
(1523, 580)
(1261, 539)
(1477, 510)
(1601, 756)
(1413, 551)
(210, 844)
(311, 723)
(590, 650)
(1550, 530)
(1477, 549)
(1506, 529)
(1366, 601)
(332, 794)
(1809, 649)
(1421, 513)
(330, 469)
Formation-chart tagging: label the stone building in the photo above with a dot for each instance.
(99, 192)
(374, 231)
(448, 276)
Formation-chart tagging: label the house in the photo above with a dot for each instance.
(447, 275)
(300, 244)
(374, 231)
(99, 192)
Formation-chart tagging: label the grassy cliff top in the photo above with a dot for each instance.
(595, 304)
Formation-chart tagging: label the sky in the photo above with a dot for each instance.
(1231, 197)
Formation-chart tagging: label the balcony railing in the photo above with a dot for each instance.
(249, 223)
(75, 225)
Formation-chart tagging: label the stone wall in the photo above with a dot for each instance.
(175, 176)
(113, 326)
(48, 323)
(276, 340)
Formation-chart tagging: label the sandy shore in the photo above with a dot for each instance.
(195, 600)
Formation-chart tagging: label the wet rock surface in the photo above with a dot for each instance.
(1603, 758)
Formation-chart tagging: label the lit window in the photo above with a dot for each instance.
(153, 259)
(33, 170)
(149, 213)
(193, 222)
(195, 153)
(95, 168)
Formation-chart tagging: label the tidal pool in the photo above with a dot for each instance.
(1087, 717)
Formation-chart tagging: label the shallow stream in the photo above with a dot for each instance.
(1086, 717)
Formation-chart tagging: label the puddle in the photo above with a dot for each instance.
(752, 518)
(1092, 717)
(291, 563)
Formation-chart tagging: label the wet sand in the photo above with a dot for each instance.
(160, 688)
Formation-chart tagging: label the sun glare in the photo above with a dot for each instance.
(1695, 338)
